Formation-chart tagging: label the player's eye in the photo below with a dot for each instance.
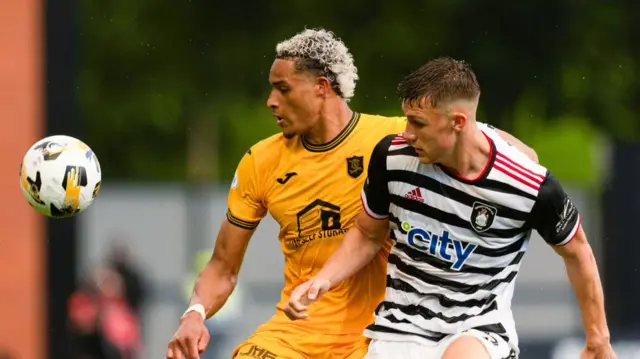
(416, 124)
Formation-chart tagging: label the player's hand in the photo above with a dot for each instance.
(604, 351)
(191, 338)
(305, 294)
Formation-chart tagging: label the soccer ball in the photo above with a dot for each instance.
(60, 176)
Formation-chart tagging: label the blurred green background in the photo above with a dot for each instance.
(173, 93)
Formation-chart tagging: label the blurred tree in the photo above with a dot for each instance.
(172, 91)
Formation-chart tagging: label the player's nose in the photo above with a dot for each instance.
(272, 101)
(409, 136)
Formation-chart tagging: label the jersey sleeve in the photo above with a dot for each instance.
(245, 203)
(375, 193)
(555, 217)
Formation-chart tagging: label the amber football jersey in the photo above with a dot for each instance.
(313, 192)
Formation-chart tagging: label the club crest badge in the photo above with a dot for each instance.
(482, 216)
(355, 166)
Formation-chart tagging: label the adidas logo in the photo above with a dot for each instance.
(415, 195)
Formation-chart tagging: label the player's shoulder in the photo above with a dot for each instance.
(394, 145)
(269, 143)
(506, 152)
(374, 120)
(383, 124)
(518, 169)
(268, 150)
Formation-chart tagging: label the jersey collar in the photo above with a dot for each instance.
(485, 172)
(353, 122)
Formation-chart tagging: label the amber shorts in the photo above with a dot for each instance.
(272, 345)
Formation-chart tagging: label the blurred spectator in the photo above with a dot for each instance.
(102, 324)
(134, 285)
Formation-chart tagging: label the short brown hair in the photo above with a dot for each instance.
(440, 80)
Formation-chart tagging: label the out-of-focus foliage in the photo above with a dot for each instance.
(151, 71)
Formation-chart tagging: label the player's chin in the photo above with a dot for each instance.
(288, 134)
(424, 159)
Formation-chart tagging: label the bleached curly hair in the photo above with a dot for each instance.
(319, 51)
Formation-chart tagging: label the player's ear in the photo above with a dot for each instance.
(324, 86)
(458, 121)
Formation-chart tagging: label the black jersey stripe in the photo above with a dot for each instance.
(443, 265)
(503, 251)
(449, 218)
(240, 222)
(412, 310)
(451, 193)
(443, 300)
(449, 284)
(504, 188)
(436, 337)
(496, 329)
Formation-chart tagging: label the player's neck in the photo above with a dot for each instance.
(332, 121)
(470, 157)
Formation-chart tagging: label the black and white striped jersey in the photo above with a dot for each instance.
(458, 243)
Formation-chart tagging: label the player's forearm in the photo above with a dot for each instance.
(355, 252)
(583, 274)
(213, 287)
